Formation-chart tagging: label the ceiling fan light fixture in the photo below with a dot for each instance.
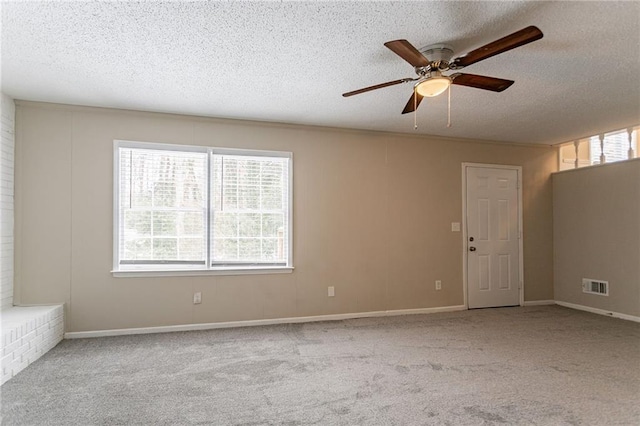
(433, 86)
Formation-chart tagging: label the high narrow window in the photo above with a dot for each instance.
(194, 208)
(616, 146)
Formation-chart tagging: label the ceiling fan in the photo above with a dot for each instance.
(431, 61)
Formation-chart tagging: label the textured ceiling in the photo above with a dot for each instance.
(290, 62)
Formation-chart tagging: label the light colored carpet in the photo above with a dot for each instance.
(543, 365)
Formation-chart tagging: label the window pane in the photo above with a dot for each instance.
(228, 183)
(136, 223)
(249, 249)
(248, 184)
(193, 223)
(190, 248)
(250, 207)
(272, 223)
(270, 251)
(137, 248)
(249, 225)
(272, 185)
(164, 223)
(165, 249)
(164, 185)
(225, 248)
(162, 198)
(225, 225)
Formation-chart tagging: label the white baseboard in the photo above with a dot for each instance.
(539, 302)
(599, 311)
(252, 323)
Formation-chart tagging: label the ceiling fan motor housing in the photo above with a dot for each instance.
(439, 55)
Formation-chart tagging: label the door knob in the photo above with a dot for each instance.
(472, 249)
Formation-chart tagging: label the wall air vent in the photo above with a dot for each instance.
(595, 287)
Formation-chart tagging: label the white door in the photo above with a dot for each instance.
(492, 219)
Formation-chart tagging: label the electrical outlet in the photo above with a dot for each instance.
(438, 285)
(331, 291)
(197, 298)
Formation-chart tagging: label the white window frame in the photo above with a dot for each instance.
(208, 269)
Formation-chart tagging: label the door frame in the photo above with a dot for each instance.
(465, 242)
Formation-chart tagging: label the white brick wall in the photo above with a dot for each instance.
(7, 146)
(28, 333)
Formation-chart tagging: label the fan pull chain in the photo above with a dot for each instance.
(415, 108)
(449, 108)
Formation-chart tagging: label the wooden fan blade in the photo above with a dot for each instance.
(481, 82)
(413, 104)
(377, 86)
(517, 39)
(406, 51)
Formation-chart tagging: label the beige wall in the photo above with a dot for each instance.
(372, 217)
(596, 213)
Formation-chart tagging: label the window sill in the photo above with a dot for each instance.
(198, 272)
